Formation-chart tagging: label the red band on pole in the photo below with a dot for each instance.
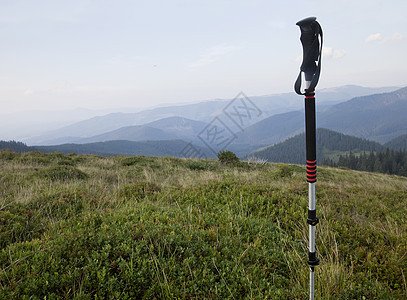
(310, 95)
(311, 171)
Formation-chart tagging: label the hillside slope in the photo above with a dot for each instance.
(132, 228)
(398, 143)
(329, 145)
(274, 129)
(179, 127)
(130, 133)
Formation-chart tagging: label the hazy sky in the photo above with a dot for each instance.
(59, 54)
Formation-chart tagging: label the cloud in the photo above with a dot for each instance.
(29, 92)
(394, 37)
(212, 55)
(374, 37)
(378, 37)
(331, 53)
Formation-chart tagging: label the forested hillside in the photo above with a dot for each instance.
(18, 147)
(389, 162)
(399, 143)
(329, 144)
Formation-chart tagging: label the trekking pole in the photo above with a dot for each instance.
(311, 39)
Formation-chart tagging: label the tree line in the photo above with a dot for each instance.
(292, 150)
(389, 162)
(18, 147)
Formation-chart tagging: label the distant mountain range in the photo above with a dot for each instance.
(330, 145)
(379, 117)
(270, 105)
(170, 128)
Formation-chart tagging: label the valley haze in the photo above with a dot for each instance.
(376, 114)
(44, 127)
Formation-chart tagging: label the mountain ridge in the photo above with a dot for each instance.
(379, 123)
(131, 133)
(174, 148)
(205, 111)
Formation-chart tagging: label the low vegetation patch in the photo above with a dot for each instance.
(88, 227)
(137, 160)
(61, 172)
(200, 165)
(139, 190)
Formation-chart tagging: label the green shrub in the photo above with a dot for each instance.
(6, 154)
(228, 157)
(58, 204)
(148, 253)
(62, 172)
(66, 162)
(19, 223)
(35, 157)
(285, 171)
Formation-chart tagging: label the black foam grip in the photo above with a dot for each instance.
(311, 39)
(310, 135)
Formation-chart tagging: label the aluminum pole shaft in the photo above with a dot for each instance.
(311, 206)
(311, 192)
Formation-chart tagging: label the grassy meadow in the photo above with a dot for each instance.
(89, 227)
